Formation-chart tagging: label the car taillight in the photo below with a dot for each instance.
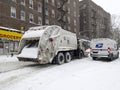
(109, 50)
(51, 39)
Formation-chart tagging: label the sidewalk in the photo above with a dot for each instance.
(8, 58)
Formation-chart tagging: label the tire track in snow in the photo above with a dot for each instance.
(17, 75)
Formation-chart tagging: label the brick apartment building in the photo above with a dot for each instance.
(22, 14)
(95, 22)
(73, 16)
(68, 15)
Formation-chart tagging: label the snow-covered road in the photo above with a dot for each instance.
(81, 74)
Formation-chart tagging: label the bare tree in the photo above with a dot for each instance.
(115, 21)
(116, 27)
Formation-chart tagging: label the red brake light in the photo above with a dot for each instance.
(51, 39)
(109, 50)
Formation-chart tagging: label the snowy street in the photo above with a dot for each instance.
(82, 74)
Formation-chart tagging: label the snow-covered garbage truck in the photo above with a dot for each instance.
(104, 47)
(48, 44)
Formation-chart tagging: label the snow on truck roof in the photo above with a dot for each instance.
(33, 34)
(42, 27)
(37, 31)
(37, 28)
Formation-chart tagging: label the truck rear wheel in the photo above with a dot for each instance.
(68, 57)
(111, 57)
(94, 58)
(60, 58)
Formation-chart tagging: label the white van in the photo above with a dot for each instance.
(104, 47)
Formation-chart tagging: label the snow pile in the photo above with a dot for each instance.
(83, 74)
(33, 34)
(8, 58)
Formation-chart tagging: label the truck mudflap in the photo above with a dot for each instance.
(36, 60)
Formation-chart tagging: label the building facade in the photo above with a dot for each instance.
(68, 15)
(22, 14)
(73, 16)
(95, 22)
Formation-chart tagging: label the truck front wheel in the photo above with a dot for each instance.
(80, 55)
(60, 58)
(68, 57)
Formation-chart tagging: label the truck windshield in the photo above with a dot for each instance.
(32, 43)
(86, 44)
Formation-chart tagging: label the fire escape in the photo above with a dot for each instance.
(62, 10)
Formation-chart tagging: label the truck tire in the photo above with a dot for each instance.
(80, 55)
(111, 57)
(118, 55)
(60, 58)
(68, 57)
(94, 58)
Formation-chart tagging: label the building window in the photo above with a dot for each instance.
(74, 4)
(53, 13)
(46, 1)
(46, 11)
(68, 19)
(53, 2)
(13, 12)
(75, 23)
(31, 4)
(39, 7)
(69, 10)
(14, 0)
(31, 18)
(22, 15)
(39, 20)
(69, 28)
(47, 21)
(22, 2)
(58, 4)
(69, 1)
(75, 13)
(75, 30)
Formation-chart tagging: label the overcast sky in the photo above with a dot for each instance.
(111, 6)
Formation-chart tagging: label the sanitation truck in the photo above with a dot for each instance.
(104, 47)
(48, 44)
